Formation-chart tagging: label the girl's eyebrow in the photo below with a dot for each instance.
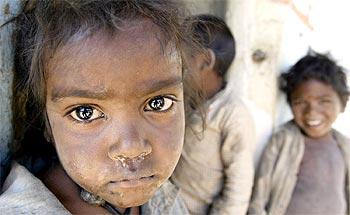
(148, 88)
(156, 85)
(58, 94)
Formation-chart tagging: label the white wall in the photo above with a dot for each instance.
(257, 25)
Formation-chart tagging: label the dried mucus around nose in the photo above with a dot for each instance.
(131, 163)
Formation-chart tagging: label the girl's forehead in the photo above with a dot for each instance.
(123, 62)
(141, 36)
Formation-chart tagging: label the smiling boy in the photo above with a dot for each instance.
(305, 167)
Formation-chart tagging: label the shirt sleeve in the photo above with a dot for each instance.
(238, 140)
(263, 178)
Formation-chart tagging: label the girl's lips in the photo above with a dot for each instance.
(132, 183)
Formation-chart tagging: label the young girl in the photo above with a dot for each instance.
(305, 168)
(106, 80)
(215, 171)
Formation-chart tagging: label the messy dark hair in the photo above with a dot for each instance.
(316, 66)
(211, 32)
(47, 25)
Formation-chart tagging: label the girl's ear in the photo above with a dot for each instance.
(208, 60)
(48, 132)
(212, 59)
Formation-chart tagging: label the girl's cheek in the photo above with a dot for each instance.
(175, 131)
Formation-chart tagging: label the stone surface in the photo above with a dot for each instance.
(8, 10)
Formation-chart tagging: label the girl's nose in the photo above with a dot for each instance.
(129, 145)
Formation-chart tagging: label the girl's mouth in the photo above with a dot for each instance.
(131, 182)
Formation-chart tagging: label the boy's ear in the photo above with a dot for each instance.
(342, 109)
(208, 60)
(344, 101)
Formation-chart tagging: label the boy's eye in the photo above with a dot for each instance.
(159, 103)
(297, 102)
(86, 114)
(325, 101)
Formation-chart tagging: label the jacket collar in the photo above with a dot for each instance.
(163, 201)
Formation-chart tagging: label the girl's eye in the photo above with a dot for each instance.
(159, 103)
(86, 114)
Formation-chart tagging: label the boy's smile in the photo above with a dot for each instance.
(315, 107)
(115, 107)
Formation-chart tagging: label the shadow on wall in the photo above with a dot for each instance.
(215, 7)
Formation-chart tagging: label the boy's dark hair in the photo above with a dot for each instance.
(211, 32)
(44, 27)
(315, 66)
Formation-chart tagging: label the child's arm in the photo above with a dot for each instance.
(263, 178)
(237, 152)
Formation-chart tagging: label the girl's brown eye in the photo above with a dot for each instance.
(159, 104)
(86, 113)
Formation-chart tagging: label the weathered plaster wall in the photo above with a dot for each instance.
(258, 27)
(8, 9)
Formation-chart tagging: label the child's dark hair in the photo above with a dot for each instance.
(47, 25)
(315, 66)
(211, 32)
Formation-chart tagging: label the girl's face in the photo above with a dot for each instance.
(116, 111)
(315, 107)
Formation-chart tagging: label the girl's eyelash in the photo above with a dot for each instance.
(77, 121)
(170, 97)
(73, 111)
(76, 107)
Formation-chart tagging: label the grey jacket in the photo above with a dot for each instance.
(23, 193)
(277, 174)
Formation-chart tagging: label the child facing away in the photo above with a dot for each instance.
(215, 171)
(305, 167)
(102, 84)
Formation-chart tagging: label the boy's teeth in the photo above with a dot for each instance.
(314, 122)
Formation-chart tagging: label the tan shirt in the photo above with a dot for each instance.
(215, 171)
(23, 193)
(279, 167)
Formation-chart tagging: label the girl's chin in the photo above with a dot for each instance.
(129, 204)
(130, 199)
